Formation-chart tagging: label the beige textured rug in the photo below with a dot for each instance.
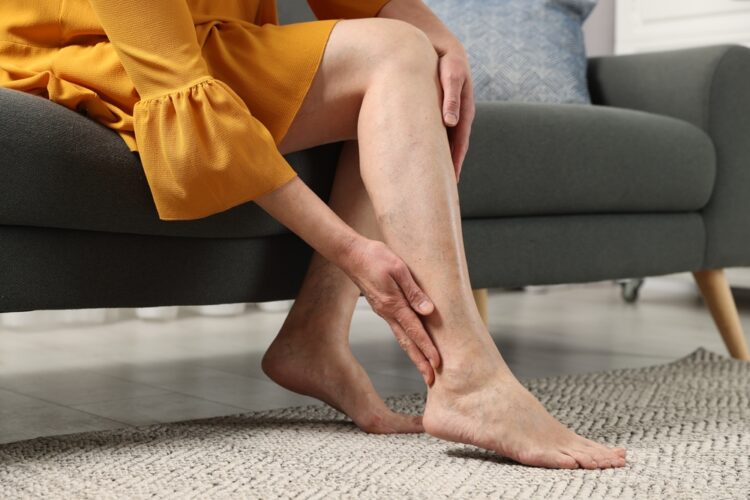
(686, 425)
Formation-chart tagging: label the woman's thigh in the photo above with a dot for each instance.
(357, 51)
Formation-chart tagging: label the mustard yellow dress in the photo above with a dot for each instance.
(203, 90)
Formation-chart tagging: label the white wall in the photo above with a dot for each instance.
(599, 29)
(648, 25)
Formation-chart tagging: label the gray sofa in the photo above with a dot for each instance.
(653, 179)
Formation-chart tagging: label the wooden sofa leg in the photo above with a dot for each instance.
(480, 297)
(715, 289)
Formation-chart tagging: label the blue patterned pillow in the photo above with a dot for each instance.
(522, 50)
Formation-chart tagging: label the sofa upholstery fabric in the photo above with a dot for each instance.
(710, 88)
(651, 180)
(72, 268)
(546, 159)
(524, 160)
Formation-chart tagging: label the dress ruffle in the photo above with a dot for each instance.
(202, 151)
(203, 90)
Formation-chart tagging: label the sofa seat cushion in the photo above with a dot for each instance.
(556, 159)
(60, 169)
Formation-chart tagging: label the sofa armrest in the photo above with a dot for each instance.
(710, 88)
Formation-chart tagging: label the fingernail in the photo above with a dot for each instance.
(424, 306)
(451, 118)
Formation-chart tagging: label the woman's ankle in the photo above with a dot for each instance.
(468, 366)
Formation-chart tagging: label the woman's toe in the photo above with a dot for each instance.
(583, 457)
(602, 452)
(603, 457)
(565, 461)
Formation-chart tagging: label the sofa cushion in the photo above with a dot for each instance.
(522, 50)
(555, 159)
(61, 169)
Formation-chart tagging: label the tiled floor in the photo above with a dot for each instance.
(136, 372)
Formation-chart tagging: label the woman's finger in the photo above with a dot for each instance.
(452, 138)
(416, 297)
(412, 326)
(461, 139)
(410, 322)
(416, 356)
(462, 131)
(452, 81)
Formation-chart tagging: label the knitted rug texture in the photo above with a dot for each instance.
(686, 426)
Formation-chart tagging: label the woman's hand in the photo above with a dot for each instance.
(388, 285)
(455, 75)
(458, 101)
(382, 276)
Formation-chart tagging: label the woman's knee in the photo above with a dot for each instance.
(404, 47)
(361, 54)
(378, 46)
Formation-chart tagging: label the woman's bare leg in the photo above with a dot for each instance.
(378, 80)
(311, 354)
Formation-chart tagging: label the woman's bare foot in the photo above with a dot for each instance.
(490, 409)
(327, 370)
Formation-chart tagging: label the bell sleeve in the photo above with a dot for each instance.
(202, 150)
(346, 9)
